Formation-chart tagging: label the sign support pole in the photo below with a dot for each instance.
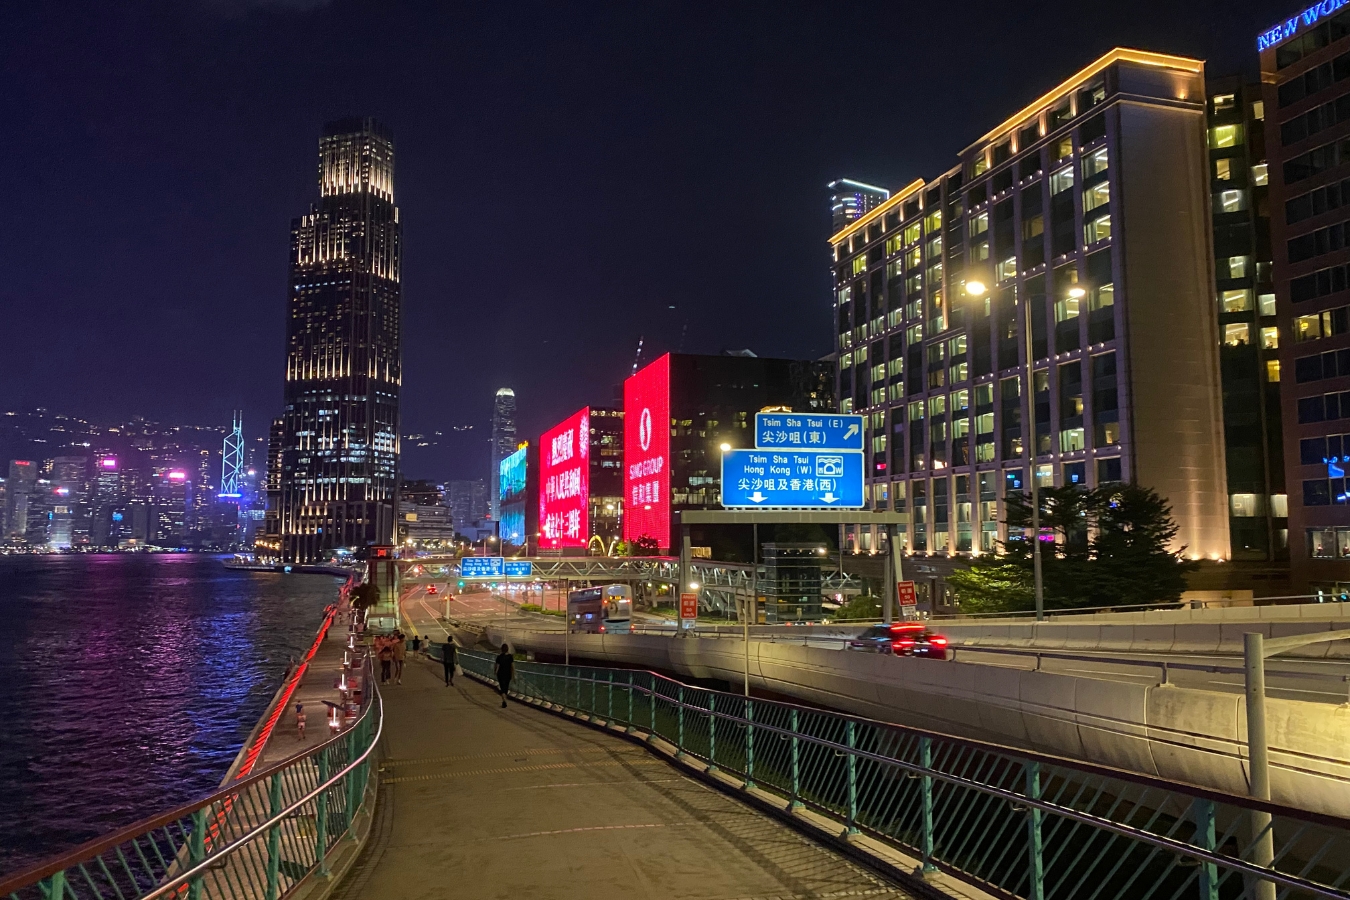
(752, 606)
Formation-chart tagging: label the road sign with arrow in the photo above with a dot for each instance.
(806, 431)
(793, 478)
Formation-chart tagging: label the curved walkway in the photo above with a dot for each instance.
(482, 802)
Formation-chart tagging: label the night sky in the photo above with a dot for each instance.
(566, 174)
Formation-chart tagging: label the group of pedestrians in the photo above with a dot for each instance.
(392, 651)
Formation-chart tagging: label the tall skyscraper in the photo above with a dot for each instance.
(851, 200)
(503, 443)
(340, 437)
(19, 488)
(1305, 108)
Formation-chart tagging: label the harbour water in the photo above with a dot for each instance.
(129, 682)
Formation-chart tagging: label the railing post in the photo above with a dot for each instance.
(196, 852)
(712, 731)
(54, 887)
(593, 689)
(651, 707)
(609, 699)
(355, 787)
(795, 802)
(1035, 857)
(631, 726)
(1205, 839)
(679, 744)
(851, 739)
(926, 760)
(273, 836)
(749, 743)
(321, 819)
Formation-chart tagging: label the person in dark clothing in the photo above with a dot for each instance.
(448, 655)
(417, 644)
(506, 669)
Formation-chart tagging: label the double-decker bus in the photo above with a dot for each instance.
(607, 609)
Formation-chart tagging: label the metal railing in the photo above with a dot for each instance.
(257, 838)
(1018, 824)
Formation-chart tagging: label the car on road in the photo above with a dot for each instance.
(431, 589)
(901, 639)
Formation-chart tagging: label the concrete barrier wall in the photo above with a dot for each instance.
(1181, 637)
(1174, 733)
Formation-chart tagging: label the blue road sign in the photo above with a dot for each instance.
(802, 431)
(482, 567)
(795, 478)
(516, 568)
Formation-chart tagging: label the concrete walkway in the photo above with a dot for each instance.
(481, 802)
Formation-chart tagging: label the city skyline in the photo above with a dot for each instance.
(570, 303)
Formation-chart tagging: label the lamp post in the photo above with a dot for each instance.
(979, 289)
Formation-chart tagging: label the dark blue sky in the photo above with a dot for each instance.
(566, 173)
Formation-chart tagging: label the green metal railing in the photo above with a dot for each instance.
(257, 838)
(1018, 824)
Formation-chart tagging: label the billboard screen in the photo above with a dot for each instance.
(513, 524)
(511, 476)
(564, 482)
(646, 453)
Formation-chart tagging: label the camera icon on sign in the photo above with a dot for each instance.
(829, 467)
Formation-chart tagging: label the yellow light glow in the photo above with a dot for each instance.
(976, 288)
(1077, 293)
(725, 447)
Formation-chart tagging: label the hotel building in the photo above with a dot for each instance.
(1088, 210)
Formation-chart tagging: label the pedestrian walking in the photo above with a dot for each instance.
(300, 721)
(506, 670)
(386, 654)
(449, 659)
(417, 644)
(400, 655)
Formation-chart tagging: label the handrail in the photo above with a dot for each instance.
(1021, 807)
(92, 851)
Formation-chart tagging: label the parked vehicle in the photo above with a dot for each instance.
(901, 639)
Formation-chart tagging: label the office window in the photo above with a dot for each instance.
(892, 245)
(1063, 148)
(916, 411)
(1094, 162)
(1102, 296)
(1097, 195)
(914, 335)
(1246, 506)
(1066, 308)
(1261, 174)
(1272, 370)
(1223, 170)
(1225, 136)
(1223, 101)
(1239, 300)
(1317, 492)
(859, 265)
(1266, 304)
(932, 223)
(1071, 439)
(913, 232)
(1230, 201)
(1270, 338)
(1045, 476)
(1006, 269)
(979, 223)
(1108, 470)
(1099, 229)
(1062, 180)
(914, 258)
(1239, 266)
(1237, 334)
(1322, 543)
(895, 269)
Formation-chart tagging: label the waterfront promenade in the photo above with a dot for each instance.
(477, 801)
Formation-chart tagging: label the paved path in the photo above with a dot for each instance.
(481, 802)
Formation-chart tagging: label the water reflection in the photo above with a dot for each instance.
(128, 684)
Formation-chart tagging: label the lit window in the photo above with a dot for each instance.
(914, 258)
(1103, 296)
(1225, 136)
(1095, 162)
(892, 245)
(979, 224)
(1062, 180)
(1307, 328)
(1239, 300)
(1246, 506)
(1270, 338)
(859, 265)
(1279, 505)
(1237, 266)
(912, 233)
(935, 247)
(1237, 334)
(1006, 269)
(1064, 148)
(979, 252)
(1071, 439)
(895, 269)
(1223, 101)
(1098, 229)
(1097, 195)
(1266, 302)
(1272, 370)
(914, 335)
(1066, 308)
(981, 164)
(1230, 201)
(1223, 169)
(1259, 110)
(1260, 174)
(933, 223)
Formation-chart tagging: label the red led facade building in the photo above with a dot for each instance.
(564, 483)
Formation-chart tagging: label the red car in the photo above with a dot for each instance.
(431, 589)
(901, 639)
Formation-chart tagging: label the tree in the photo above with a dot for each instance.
(364, 596)
(862, 606)
(1103, 547)
(645, 545)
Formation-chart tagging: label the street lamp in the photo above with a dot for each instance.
(976, 288)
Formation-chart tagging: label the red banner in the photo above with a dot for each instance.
(689, 606)
(905, 591)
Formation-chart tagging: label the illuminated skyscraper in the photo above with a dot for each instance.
(851, 200)
(340, 439)
(503, 443)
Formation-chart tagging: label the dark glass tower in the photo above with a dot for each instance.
(339, 459)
